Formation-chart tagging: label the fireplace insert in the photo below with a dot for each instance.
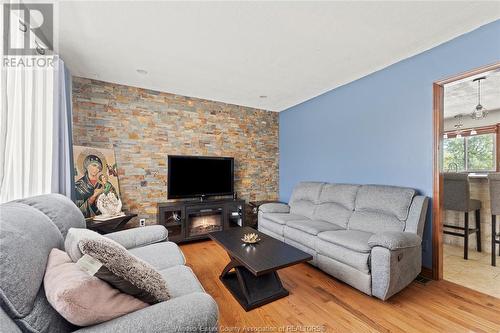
(203, 221)
(194, 220)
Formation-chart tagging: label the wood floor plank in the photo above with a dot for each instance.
(319, 301)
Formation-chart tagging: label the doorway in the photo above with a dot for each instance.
(457, 134)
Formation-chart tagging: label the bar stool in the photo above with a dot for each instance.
(494, 180)
(457, 198)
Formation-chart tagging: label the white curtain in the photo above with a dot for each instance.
(35, 131)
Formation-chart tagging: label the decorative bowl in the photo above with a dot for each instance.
(251, 238)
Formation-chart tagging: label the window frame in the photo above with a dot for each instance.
(494, 129)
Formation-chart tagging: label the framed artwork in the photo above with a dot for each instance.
(96, 173)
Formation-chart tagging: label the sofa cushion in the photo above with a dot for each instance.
(303, 247)
(341, 194)
(333, 213)
(75, 235)
(351, 239)
(274, 227)
(282, 218)
(180, 280)
(7, 324)
(301, 237)
(274, 207)
(373, 221)
(308, 191)
(137, 237)
(160, 255)
(27, 235)
(304, 198)
(270, 233)
(81, 298)
(312, 227)
(60, 210)
(390, 200)
(355, 259)
(336, 203)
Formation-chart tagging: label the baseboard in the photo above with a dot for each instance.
(427, 273)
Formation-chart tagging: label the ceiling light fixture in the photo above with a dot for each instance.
(459, 118)
(479, 112)
(142, 71)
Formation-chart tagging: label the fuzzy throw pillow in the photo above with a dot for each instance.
(75, 235)
(125, 271)
(80, 298)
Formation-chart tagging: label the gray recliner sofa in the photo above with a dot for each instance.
(31, 227)
(368, 236)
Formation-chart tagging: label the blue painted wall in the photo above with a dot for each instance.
(378, 129)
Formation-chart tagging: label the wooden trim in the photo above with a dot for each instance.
(466, 74)
(438, 128)
(437, 233)
(479, 130)
(498, 147)
(426, 272)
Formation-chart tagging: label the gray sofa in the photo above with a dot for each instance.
(368, 236)
(30, 228)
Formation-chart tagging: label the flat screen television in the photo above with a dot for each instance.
(199, 176)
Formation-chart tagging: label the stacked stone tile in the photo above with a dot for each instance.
(145, 126)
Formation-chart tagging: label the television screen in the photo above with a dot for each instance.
(194, 176)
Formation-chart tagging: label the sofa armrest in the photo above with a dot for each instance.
(393, 270)
(137, 237)
(417, 215)
(394, 240)
(196, 312)
(274, 207)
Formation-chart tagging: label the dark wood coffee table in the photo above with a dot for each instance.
(254, 281)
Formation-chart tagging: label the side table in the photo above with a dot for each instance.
(253, 212)
(111, 225)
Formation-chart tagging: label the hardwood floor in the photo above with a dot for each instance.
(320, 303)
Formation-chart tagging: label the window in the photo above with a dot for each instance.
(454, 154)
(470, 153)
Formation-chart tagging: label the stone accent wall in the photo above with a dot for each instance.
(145, 126)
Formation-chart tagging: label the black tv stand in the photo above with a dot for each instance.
(193, 220)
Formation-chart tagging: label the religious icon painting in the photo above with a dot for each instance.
(95, 174)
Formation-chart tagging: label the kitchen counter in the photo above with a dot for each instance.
(478, 175)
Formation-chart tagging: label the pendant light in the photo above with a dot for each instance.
(479, 111)
(459, 122)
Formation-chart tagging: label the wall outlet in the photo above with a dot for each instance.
(142, 222)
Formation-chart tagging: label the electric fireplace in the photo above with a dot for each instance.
(203, 221)
(193, 220)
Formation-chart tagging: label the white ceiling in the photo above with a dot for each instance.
(235, 52)
(461, 97)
